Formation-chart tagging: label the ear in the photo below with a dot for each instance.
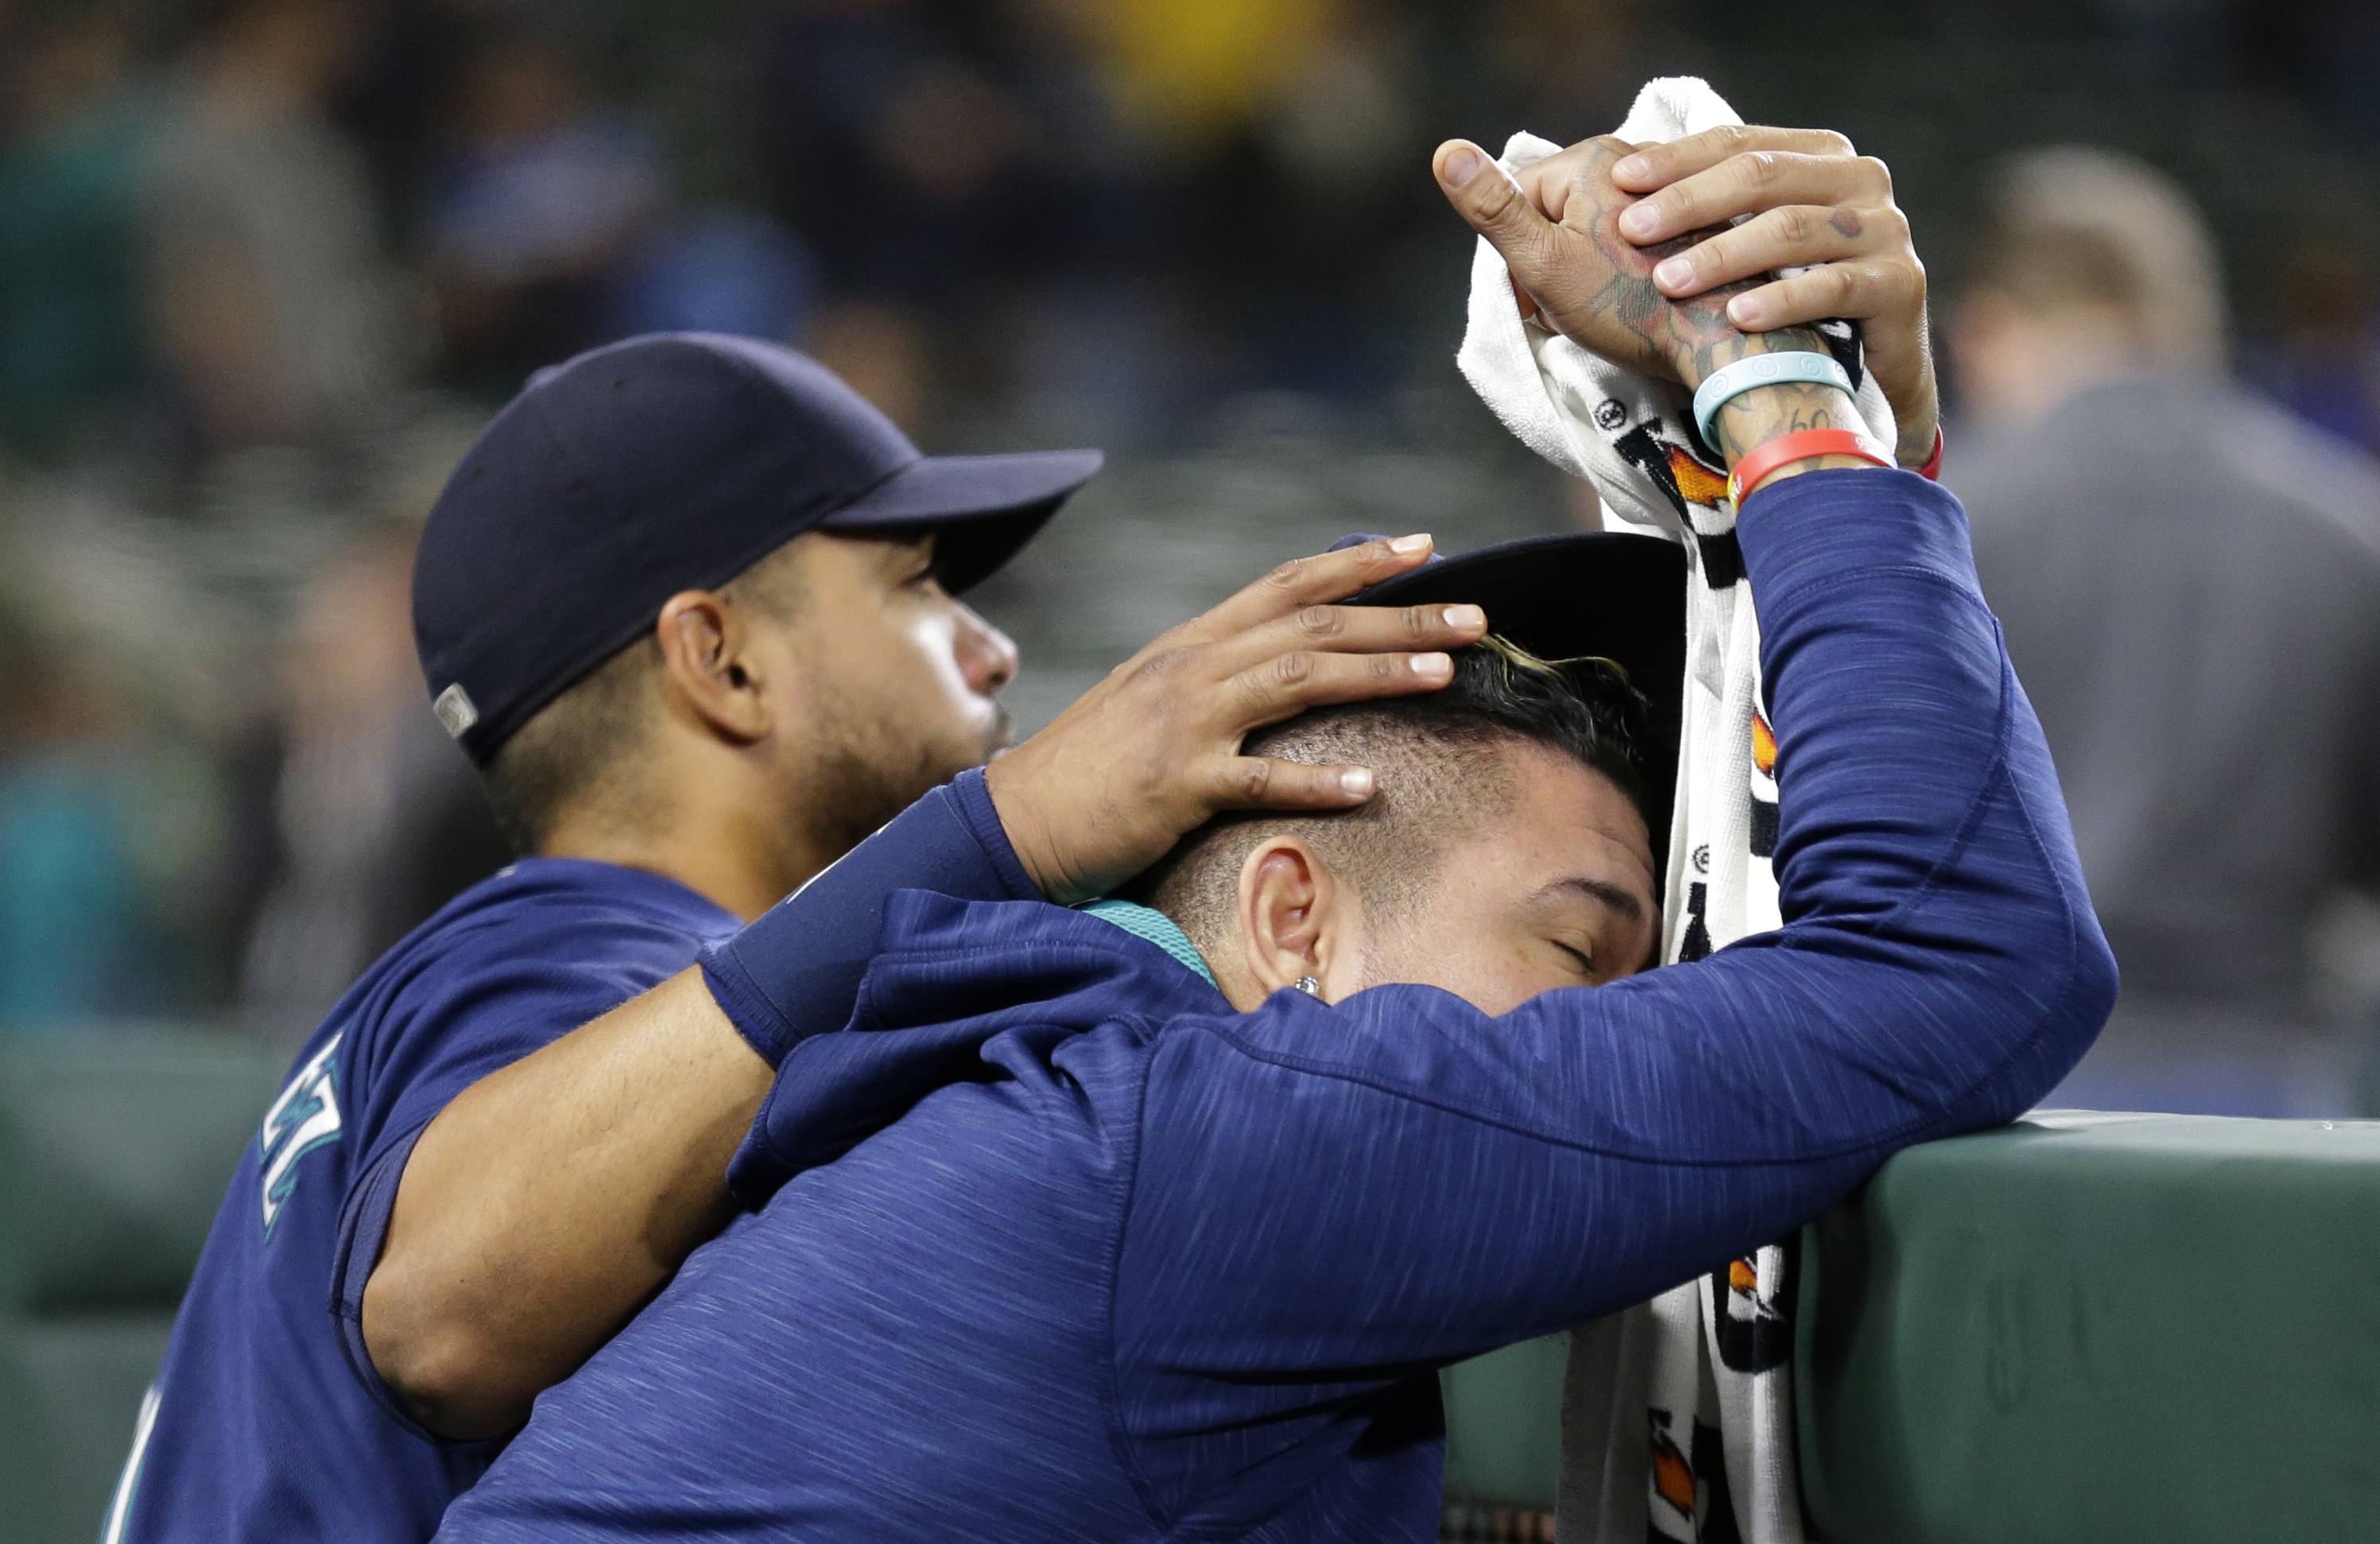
(709, 673)
(1297, 918)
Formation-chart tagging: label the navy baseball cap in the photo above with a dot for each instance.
(1608, 593)
(670, 462)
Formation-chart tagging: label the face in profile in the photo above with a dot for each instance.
(892, 679)
(1553, 889)
(1547, 882)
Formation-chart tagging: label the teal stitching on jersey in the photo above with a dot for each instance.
(1151, 926)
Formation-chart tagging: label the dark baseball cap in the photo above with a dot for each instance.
(1583, 593)
(671, 462)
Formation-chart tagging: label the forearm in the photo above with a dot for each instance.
(795, 971)
(549, 1200)
(1939, 970)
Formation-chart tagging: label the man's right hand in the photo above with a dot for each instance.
(1153, 751)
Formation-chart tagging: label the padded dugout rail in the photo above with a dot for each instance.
(2096, 1328)
(114, 1148)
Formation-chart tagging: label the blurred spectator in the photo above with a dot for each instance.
(71, 930)
(71, 340)
(2326, 367)
(379, 818)
(273, 306)
(2190, 583)
(1326, 170)
(880, 350)
(1565, 69)
(1193, 73)
(719, 270)
(549, 196)
(893, 153)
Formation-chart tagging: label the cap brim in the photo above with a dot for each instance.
(1605, 593)
(983, 508)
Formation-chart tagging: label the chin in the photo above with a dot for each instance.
(998, 734)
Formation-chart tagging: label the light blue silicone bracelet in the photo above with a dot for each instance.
(1762, 370)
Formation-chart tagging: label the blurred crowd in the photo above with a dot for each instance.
(266, 264)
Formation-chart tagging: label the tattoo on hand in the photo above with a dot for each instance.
(1690, 337)
(1627, 319)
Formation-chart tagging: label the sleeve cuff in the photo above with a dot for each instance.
(795, 972)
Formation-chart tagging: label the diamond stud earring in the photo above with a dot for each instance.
(1309, 985)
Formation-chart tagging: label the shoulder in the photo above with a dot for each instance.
(518, 960)
(2331, 486)
(564, 913)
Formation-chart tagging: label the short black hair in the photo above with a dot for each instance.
(1432, 784)
(590, 745)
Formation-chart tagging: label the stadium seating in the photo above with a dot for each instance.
(114, 1149)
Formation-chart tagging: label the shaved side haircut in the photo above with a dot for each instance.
(589, 745)
(1435, 757)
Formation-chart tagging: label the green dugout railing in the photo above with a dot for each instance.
(2081, 1328)
(114, 1153)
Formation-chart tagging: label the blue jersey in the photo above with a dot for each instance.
(267, 1422)
(1062, 1247)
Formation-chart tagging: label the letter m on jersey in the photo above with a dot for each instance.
(305, 1117)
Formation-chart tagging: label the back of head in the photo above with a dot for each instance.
(2072, 228)
(1435, 757)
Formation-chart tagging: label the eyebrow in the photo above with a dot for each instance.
(1611, 896)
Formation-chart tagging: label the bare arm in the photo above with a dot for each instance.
(548, 1201)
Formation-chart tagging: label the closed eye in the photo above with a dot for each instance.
(1585, 963)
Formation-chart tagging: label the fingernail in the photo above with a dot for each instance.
(1632, 169)
(1746, 311)
(1461, 618)
(1675, 273)
(1463, 164)
(1409, 543)
(1637, 220)
(1355, 783)
(1432, 664)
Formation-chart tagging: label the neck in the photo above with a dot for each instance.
(2021, 370)
(729, 851)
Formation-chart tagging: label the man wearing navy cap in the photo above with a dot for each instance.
(688, 604)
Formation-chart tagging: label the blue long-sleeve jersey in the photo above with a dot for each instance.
(1106, 1259)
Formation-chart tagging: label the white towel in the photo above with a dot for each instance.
(1678, 1415)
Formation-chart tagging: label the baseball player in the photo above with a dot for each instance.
(689, 605)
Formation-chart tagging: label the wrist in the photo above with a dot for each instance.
(1008, 787)
(1698, 363)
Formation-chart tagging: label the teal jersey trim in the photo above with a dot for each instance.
(1154, 925)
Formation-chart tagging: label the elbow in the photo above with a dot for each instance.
(2096, 978)
(441, 1364)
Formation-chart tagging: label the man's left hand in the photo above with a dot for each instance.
(1808, 199)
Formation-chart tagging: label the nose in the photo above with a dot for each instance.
(987, 656)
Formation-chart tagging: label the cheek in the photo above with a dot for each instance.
(932, 645)
(1475, 961)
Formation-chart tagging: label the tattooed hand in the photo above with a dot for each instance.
(1576, 273)
(1806, 200)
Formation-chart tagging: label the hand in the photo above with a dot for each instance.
(1573, 271)
(1812, 202)
(1153, 752)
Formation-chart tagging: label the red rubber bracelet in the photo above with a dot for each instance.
(1766, 457)
(1932, 471)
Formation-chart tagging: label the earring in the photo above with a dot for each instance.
(1309, 985)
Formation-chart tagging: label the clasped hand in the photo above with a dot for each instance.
(1633, 251)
